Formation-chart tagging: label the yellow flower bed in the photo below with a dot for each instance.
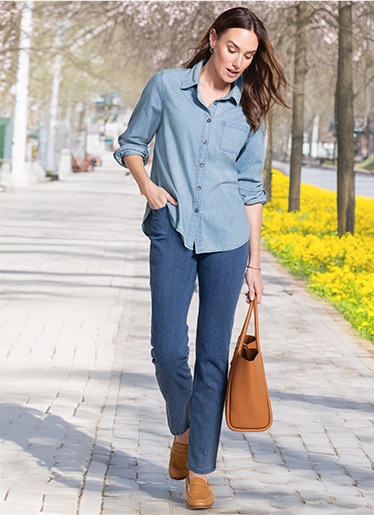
(340, 270)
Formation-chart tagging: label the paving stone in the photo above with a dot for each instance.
(18, 508)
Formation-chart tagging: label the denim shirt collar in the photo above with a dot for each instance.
(193, 77)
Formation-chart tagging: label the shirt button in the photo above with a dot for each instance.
(204, 141)
(201, 165)
(209, 120)
(198, 188)
(196, 210)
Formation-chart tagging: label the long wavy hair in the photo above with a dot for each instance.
(264, 80)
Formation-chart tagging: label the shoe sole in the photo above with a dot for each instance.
(178, 478)
(199, 507)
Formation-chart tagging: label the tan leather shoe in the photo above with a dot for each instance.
(199, 494)
(178, 461)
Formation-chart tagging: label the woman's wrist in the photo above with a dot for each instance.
(146, 185)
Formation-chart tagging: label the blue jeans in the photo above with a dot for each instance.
(195, 402)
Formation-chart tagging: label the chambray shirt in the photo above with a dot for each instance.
(207, 158)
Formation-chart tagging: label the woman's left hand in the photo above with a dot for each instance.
(255, 286)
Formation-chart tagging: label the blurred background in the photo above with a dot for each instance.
(71, 72)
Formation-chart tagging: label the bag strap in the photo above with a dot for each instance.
(253, 307)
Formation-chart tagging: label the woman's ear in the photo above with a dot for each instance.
(212, 38)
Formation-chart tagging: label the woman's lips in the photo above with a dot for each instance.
(232, 73)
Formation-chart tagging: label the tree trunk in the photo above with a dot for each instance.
(20, 175)
(267, 173)
(345, 123)
(298, 107)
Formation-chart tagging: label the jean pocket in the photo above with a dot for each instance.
(159, 209)
(159, 217)
(233, 137)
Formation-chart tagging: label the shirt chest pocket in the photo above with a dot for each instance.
(232, 137)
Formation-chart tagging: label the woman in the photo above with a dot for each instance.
(204, 204)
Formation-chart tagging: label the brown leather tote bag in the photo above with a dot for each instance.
(248, 406)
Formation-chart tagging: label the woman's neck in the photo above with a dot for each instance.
(210, 80)
(210, 86)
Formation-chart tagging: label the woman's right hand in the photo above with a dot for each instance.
(157, 197)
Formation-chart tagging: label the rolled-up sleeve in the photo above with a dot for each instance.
(250, 164)
(143, 123)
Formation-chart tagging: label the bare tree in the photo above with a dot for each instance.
(267, 173)
(10, 17)
(298, 107)
(345, 123)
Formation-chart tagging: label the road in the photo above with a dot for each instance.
(326, 178)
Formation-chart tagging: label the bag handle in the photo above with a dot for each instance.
(253, 307)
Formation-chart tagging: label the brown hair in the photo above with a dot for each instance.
(264, 79)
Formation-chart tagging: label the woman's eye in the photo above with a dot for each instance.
(232, 51)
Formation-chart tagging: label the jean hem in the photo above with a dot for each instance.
(177, 433)
(199, 470)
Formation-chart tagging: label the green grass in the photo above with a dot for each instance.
(368, 164)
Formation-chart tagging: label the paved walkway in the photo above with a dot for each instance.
(83, 424)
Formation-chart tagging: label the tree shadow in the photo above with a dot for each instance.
(69, 453)
(336, 403)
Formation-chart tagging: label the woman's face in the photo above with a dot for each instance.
(233, 52)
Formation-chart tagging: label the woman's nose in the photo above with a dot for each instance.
(237, 62)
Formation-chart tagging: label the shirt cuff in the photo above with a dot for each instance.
(120, 153)
(260, 197)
